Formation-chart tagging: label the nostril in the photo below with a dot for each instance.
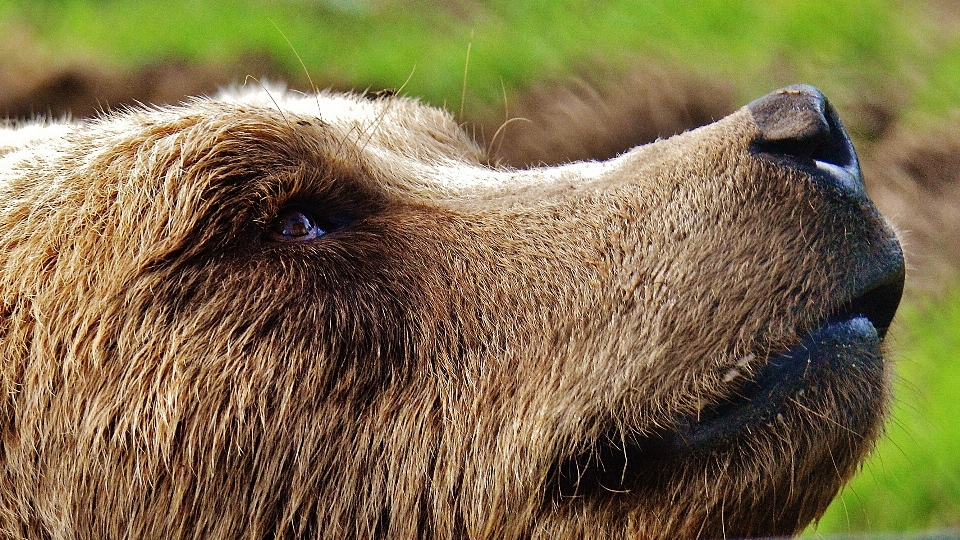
(799, 126)
(799, 122)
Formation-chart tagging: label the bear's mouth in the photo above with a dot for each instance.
(846, 343)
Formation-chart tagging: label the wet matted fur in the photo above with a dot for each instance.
(285, 316)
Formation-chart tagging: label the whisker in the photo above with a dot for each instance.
(466, 67)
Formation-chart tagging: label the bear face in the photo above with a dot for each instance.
(268, 315)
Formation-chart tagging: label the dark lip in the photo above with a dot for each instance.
(880, 301)
(760, 398)
(860, 323)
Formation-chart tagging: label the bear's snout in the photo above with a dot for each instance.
(799, 128)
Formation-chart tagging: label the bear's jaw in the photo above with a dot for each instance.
(769, 411)
(846, 344)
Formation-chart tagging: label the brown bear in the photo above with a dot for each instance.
(272, 315)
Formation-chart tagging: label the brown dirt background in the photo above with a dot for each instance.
(598, 113)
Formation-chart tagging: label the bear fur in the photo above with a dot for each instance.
(269, 315)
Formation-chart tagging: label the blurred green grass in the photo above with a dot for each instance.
(906, 54)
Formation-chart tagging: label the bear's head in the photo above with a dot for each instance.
(268, 315)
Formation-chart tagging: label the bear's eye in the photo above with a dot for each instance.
(295, 225)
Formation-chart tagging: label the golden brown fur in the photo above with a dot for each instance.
(435, 368)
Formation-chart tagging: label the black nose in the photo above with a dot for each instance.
(799, 127)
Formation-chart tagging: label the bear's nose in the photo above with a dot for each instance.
(799, 127)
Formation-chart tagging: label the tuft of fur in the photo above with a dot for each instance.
(171, 370)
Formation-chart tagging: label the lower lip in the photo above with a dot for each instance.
(835, 350)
